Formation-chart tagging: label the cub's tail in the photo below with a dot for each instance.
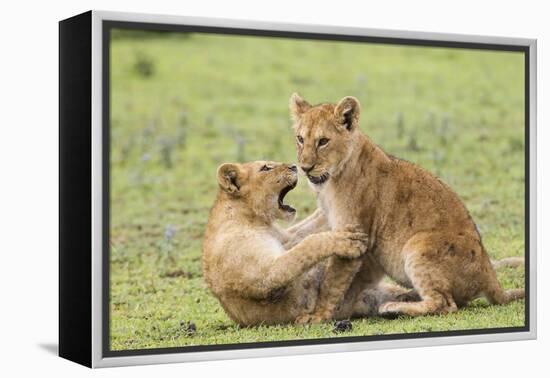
(495, 293)
(508, 262)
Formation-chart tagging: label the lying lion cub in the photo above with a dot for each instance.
(260, 273)
(419, 231)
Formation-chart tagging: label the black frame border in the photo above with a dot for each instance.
(108, 25)
(75, 188)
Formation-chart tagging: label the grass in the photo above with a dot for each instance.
(183, 104)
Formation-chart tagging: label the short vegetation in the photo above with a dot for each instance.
(183, 104)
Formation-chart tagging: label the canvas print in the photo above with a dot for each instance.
(268, 189)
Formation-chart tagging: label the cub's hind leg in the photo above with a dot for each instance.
(367, 303)
(429, 277)
(447, 269)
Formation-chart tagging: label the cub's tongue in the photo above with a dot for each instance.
(282, 195)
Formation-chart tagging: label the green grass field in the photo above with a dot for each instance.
(184, 104)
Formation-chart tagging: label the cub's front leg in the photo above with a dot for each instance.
(339, 275)
(306, 222)
(312, 250)
(315, 223)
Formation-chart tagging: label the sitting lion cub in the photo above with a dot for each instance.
(260, 273)
(420, 232)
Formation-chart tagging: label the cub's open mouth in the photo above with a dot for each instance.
(318, 180)
(282, 195)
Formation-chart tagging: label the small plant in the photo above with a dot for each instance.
(439, 159)
(444, 130)
(241, 144)
(166, 149)
(166, 245)
(412, 144)
(126, 150)
(515, 144)
(169, 232)
(144, 65)
(147, 133)
(189, 328)
(400, 125)
(181, 129)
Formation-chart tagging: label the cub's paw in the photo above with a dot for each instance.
(409, 296)
(389, 310)
(310, 319)
(350, 245)
(304, 319)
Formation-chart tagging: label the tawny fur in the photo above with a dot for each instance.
(262, 274)
(420, 233)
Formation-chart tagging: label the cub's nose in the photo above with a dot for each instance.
(293, 168)
(306, 168)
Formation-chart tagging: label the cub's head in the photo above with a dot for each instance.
(260, 187)
(324, 135)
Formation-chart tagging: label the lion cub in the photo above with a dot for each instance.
(420, 232)
(260, 273)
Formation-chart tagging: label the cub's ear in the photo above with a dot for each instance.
(298, 106)
(230, 177)
(347, 112)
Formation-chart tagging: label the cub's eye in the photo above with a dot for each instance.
(265, 168)
(323, 141)
(300, 139)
